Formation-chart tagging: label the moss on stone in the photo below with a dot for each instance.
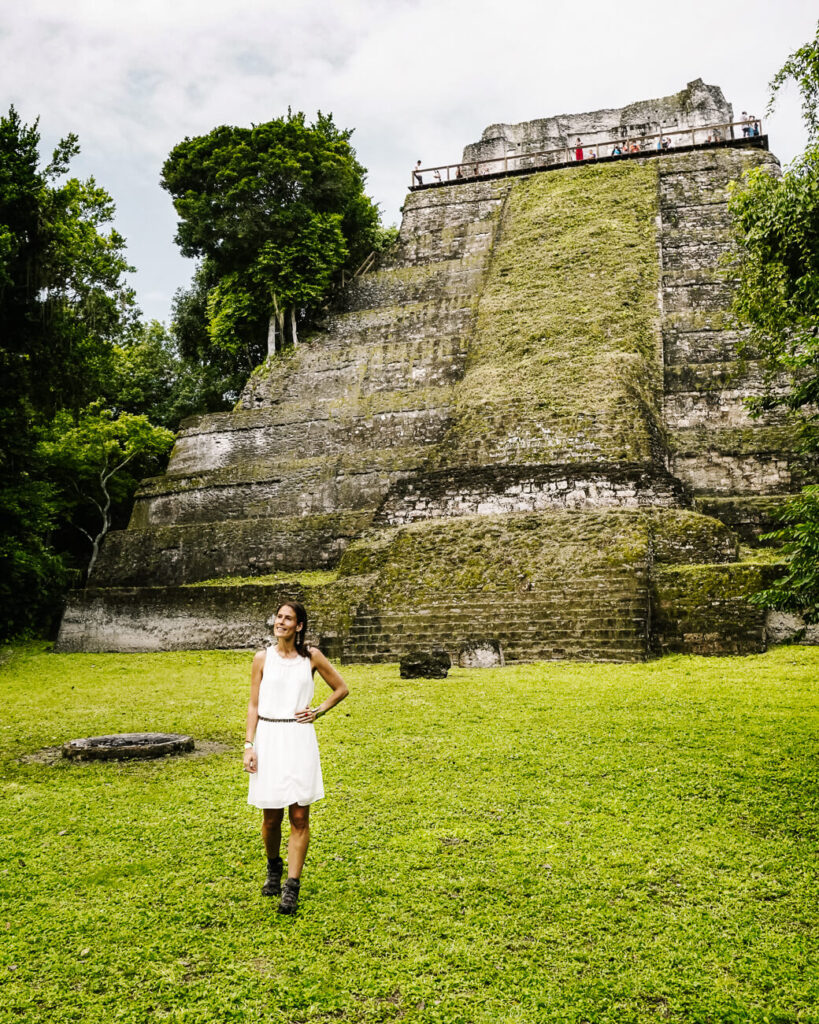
(685, 536)
(748, 516)
(780, 440)
(761, 556)
(695, 587)
(313, 578)
(479, 554)
(268, 379)
(565, 349)
(381, 460)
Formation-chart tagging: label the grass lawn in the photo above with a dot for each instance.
(554, 842)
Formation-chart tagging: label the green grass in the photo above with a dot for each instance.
(556, 842)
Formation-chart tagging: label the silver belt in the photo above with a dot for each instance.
(263, 719)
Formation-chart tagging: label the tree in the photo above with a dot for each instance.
(221, 373)
(275, 211)
(63, 303)
(802, 68)
(777, 298)
(776, 224)
(797, 590)
(777, 262)
(150, 377)
(97, 461)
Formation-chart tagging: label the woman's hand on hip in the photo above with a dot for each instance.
(306, 715)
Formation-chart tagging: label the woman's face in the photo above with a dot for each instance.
(284, 625)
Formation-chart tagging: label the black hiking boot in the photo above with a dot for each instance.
(273, 883)
(290, 896)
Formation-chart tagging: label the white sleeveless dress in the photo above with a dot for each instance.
(287, 756)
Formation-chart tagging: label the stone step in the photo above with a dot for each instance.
(314, 487)
(704, 295)
(422, 423)
(189, 553)
(689, 348)
(400, 286)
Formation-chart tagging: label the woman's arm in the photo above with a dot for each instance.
(253, 710)
(332, 677)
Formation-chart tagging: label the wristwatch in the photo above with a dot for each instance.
(248, 745)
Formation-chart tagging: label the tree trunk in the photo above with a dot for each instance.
(271, 336)
(106, 524)
(279, 315)
(293, 326)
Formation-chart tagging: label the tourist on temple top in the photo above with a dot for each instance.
(578, 150)
(746, 127)
(459, 172)
(666, 143)
(281, 752)
(592, 154)
(416, 174)
(634, 147)
(436, 174)
(615, 150)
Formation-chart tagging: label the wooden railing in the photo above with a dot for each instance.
(701, 135)
(365, 267)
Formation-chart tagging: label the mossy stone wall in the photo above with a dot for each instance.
(715, 446)
(704, 609)
(565, 364)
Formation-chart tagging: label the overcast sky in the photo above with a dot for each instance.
(414, 78)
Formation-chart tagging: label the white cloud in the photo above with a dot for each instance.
(416, 78)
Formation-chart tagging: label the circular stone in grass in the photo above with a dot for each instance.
(127, 744)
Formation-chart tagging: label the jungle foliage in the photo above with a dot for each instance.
(274, 212)
(777, 262)
(63, 305)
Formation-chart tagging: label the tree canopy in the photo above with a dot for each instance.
(777, 260)
(777, 300)
(66, 318)
(274, 211)
(97, 460)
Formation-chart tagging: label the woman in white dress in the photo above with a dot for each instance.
(281, 752)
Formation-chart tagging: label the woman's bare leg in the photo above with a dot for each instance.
(299, 839)
(272, 830)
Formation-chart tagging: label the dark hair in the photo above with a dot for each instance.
(301, 621)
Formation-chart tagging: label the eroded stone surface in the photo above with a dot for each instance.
(696, 105)
(425, 665)
(127, 744)
(481, 655)
(788, 627)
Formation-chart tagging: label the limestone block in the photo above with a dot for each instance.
(686, 348)
(481, 655)
(697, 104)
(788, 627)
(717, 474)
(178, 554)
(492, 490)
(425, 665)
(747, 516)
